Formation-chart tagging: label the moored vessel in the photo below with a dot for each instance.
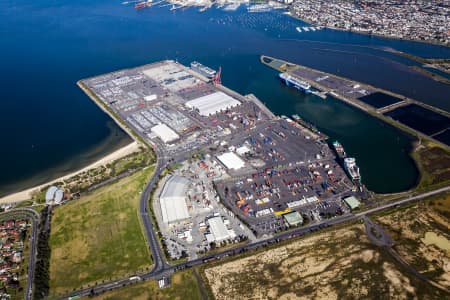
(352, 169)
(295, 82)
(203, 70)
(339, 150)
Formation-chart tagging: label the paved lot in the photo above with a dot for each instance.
(287, 167)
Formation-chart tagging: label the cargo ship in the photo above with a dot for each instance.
(339, 150)
(203, 70)
(295, 82)
(352, 169)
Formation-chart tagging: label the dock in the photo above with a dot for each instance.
(375, 101)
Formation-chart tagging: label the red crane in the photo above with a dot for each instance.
(216, 78)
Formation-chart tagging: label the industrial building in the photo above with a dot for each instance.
(173, 200)
(352, 202)
(164, 132)
(293, 218)
(212, 103)
(231, 161)
(219, 231)
(271, 166)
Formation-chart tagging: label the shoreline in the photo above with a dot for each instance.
(293, 15)
(26, 194)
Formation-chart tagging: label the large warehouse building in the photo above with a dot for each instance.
(231, 161)
(213, 103)
(219, 231)
(164, 132)
(173, 200)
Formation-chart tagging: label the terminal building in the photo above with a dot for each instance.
(173, 200)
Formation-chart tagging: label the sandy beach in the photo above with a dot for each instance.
(26, 194)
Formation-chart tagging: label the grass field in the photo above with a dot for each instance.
(336, 264)
(99, 236)
(183, 287)
(434, 165)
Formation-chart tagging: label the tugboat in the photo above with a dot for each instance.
(339, 150)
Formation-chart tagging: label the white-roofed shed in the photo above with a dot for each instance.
(212, 103)
(165, 133)
(231, 161)
(218, 229)
(173, 200)
(50, 194)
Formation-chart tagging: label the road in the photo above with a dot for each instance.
(159, 261)
(377, 234)
(381, 238)
(34, 216)
(162, 268)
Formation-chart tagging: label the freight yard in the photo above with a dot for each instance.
(242, 172)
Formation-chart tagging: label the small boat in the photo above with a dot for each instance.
(143, 4)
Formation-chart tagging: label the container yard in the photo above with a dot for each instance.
(252, 171)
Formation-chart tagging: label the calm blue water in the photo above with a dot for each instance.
(50, 127)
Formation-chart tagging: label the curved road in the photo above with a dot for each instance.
(158, 256)
(162, 268)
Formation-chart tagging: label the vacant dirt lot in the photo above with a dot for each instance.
(339, 264)
(422, 235)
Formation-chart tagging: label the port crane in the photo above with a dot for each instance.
(216, 80)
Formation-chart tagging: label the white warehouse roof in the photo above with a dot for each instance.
(242, 150)
(59, 196)
(218, 229)
(173, 200)
(164, 132)
(231, 161)
(50, 193)
(212, 103)
(54, 194)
